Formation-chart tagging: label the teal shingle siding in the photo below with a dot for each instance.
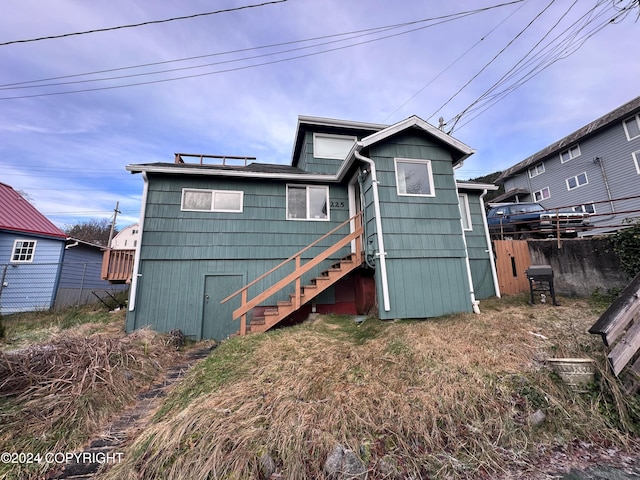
(191, 260)
(179, 248)
(422, 235)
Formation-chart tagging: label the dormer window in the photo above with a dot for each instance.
(332, 146)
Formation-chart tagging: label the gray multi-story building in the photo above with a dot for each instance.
(595, 169)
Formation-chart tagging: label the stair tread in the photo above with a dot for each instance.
(274, 314)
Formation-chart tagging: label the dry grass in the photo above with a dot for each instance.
(446, 398)
(27, 328)
(54, 395)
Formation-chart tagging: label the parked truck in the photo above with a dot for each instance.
(532, 220)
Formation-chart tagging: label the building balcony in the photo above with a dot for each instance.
(117, 265)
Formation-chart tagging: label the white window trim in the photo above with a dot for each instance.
(636, 160)
(316, 136)
(536, 170)
(541, 196)
(583, 209)
(429, 174)
(213, 192)
(626, 131)
(578, 184)
(465, 198)
(571, 157)
(13, 251)
(307, 218)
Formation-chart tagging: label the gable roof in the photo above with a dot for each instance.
(588, 130)
(18, 215)
(461, 151)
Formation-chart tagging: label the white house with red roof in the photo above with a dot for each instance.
(31, 253)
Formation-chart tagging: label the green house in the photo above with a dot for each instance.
(366, 219)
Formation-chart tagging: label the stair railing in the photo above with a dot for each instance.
(296, 275)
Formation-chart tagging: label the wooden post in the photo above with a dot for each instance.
(296, 302)
(243, 318)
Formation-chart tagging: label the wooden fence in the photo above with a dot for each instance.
(512, 259)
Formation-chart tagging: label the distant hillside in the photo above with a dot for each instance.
(490, 178)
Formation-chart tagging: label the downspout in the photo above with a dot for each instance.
(472, 294)
(135, 276)
(598, 160)
(382, 254)
(492, 261)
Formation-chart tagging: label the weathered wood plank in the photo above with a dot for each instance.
(625, 349)
(626, 308)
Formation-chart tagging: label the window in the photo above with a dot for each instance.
(414, 177)
(306, 202)
(632, 127)
(23, 251)
(537, 170)
(211, 200)
(542, 194)
(587, 208)
(463, 200)
(570, 153)
(636, 160)
(577, 181)
(332, 146)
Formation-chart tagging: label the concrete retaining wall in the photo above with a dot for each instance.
(581, 265)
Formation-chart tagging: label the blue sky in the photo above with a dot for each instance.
(557, 66)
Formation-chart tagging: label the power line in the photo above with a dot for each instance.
(133, 25)
(452, 64)
(280, 52)
(381, 28)
(493, 59)
(445, 18)
(568, 45)
(509, 74)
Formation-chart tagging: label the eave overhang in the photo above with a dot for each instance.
(475, 186)
(169, 169)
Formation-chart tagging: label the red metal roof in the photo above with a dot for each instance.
(19, 215)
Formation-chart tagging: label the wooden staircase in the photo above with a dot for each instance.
(272, 316)
(301, 294)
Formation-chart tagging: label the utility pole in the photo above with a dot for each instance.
(113, 223)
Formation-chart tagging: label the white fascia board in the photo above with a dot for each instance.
(415, 121)
(476, 186)
(334, 122)
(311, 177)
